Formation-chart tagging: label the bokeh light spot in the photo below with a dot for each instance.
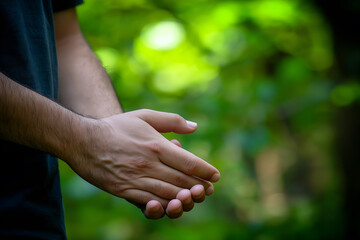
(108, 58)
(163, 36)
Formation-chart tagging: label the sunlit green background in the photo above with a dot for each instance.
(256, 77)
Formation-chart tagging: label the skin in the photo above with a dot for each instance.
(121, 153)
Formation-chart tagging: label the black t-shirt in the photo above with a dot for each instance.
(30, 197)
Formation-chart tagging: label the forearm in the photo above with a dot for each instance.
(84, 86)
(35, 121)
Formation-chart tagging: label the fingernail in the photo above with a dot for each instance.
(191, 124)
(215, 177)
(209, 190)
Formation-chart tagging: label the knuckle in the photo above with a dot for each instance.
(141, 163)
(157, 187)
(141, 112)
(190, 166)
(145, 111)
(118, 189)
(177, 118)
(129, 173)
(154, 147)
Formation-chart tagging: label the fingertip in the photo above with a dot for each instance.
(198, 193)
(215, 177)
(191, 125)
(184, 196)
(154, 210)
(186, 199)
(152, 204)
(209, 191)
(174, 204)
(174, 209)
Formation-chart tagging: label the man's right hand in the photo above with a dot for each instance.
(126, 155)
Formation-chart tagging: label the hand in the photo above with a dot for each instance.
(126, 156)
(184, 201)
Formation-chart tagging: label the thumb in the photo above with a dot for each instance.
(166, 122)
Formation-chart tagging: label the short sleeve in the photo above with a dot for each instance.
(59, 5)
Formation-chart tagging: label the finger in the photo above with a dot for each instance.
(176, 142)
(166, 122)
(186, 199)
(160, 188)
(187, 162)
(140, 197)
(154, 210)
(198, 193)
(180, 179)
(209, 190)
(174, 209)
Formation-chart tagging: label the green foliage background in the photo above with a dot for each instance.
(256, 77)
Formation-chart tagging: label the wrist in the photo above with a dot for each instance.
(71, 143)
(85, 143)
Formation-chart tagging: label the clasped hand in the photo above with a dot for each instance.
(127, 156)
